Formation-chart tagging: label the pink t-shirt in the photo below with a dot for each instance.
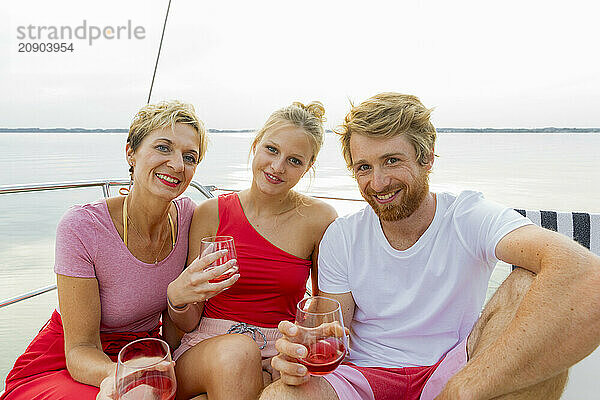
(132, 293)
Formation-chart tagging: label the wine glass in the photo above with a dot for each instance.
(212, 244)
(145, 371)
(322, 333)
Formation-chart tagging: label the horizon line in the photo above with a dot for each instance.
(244, 130)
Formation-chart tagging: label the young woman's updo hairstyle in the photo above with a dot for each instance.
(310, 118)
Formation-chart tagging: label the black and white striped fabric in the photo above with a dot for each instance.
(584, 228)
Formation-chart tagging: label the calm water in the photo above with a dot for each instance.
(535, 171)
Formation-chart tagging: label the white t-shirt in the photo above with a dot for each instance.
(413, 306)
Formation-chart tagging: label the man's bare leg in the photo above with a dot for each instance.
(316, 388)
(496, 316)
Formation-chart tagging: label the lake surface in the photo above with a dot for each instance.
(533, 171)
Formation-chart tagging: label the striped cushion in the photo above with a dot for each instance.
(584, 228)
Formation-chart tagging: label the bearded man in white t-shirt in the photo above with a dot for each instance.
(411, 272)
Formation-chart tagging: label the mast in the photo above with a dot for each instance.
(158, 55)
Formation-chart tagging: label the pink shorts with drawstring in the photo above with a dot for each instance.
(211, 327)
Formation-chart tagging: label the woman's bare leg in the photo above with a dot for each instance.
(224, 367)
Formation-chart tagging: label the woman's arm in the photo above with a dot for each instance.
(170, 333)
(79, 302)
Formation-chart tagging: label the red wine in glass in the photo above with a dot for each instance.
(145, 371)
(324, 356)
(215, 243)
(222, 277)
(321, 331)
(155, 385)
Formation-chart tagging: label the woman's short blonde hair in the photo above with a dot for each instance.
(163, 114)
(388, 115)
(309, 117)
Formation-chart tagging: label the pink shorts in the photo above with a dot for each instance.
(211, 327)
(351, 382)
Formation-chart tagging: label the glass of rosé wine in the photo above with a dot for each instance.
(213, 244)
(145, 371)
(322, 333)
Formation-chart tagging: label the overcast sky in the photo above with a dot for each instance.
(479, 63)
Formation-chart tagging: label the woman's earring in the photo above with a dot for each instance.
(125, 191)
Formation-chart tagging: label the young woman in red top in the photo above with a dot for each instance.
(277, 233)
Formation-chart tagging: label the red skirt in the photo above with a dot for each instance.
(41, 372)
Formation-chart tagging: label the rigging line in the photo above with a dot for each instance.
(158, 55)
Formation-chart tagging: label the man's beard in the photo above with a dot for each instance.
(411, 199)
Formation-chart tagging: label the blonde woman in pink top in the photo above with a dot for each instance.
(114, 261)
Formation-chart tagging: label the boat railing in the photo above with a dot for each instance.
(104, 184)
(575, 225)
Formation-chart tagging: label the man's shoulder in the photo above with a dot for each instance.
(457, 204)
(470, 208)
(348, 227)
(357, 218)
(462, 197)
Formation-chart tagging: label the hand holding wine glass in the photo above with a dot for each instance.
(212, 244)
(315, 345)
(145, 371)
(194, 284)
(107, 387)
(323, 335)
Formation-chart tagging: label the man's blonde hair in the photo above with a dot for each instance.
(387, 115)
(309, 118)
(163, 114)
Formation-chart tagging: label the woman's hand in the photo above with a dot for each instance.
(107, 387)
(193, 285)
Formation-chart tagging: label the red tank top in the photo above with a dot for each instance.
(271, 281)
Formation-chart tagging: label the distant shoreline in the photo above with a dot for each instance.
(440, 130)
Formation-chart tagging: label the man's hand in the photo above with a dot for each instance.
(452, 392)
(458, 389)
(273, 374)
(292, 373)
(290, 348)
